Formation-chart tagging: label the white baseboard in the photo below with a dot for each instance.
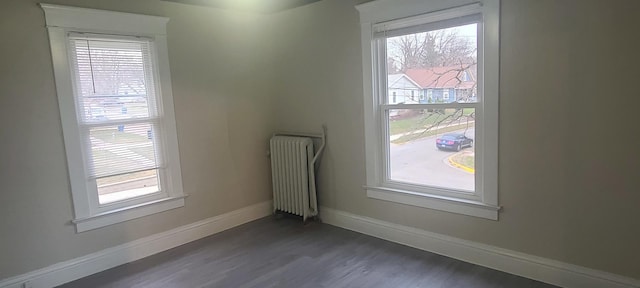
(529, 266)
(77, 268)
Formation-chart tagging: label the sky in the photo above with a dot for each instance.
(467, 31)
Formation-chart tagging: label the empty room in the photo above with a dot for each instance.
(319, 143)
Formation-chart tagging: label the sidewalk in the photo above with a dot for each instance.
(420, 131)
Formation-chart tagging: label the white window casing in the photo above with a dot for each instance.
(388, 18)
(123, 39)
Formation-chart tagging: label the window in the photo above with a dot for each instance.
(114, 93)
(441, 154)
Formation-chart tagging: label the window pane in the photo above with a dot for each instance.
(115, 108)
(113, 79)
(438, 66)
(126, 186)
(122, 149)
(433, 147)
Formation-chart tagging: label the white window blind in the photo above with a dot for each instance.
(461, 15)
(116, 102)
(384, 30)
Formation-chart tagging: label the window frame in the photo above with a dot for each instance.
(408, 13)
(88, 212)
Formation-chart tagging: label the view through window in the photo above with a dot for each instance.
(118, 112)
(432, 144)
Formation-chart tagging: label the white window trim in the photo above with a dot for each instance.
(61, 20)
(485, 204)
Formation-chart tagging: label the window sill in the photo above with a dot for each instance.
(128, 213)
(448, 204)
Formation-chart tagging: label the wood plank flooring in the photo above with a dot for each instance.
(282, 252)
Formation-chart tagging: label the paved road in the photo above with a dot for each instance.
(420, 162)
(128, 189)
(128, 185)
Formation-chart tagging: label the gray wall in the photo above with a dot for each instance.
(568, 157)
(220, 72)
(568, 144)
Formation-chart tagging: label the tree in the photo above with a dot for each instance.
(392, 67)
(431, 49)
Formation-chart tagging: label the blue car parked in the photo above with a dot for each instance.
(453, 141)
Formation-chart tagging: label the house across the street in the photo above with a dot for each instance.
(446, 84)
(403, 89)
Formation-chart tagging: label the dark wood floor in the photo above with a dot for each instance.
(284, 253)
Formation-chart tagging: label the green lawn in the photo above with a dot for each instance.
(117, 137)
(465, 158)
(426, 120)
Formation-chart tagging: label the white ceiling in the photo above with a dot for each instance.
(257, 6)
